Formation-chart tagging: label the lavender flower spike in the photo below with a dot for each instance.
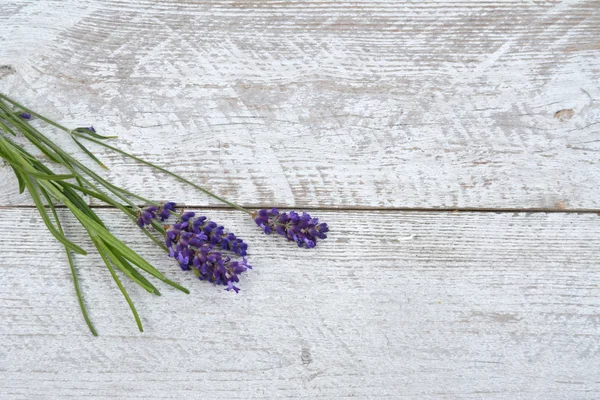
(25, 115)
(195, 243)
(303, 229)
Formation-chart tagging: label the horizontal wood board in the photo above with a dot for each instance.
(391, 305)
(432, 104)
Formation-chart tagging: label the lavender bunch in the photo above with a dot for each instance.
(194, 242)
(48, 189)
(302, 229)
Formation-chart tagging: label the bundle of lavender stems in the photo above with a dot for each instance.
(196, 243)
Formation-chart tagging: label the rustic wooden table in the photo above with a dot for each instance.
(453, 147)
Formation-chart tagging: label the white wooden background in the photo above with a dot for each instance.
(452, 146)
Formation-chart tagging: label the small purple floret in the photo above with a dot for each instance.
(166, 210)
(146, 215)
(25, 115)
(302, 229)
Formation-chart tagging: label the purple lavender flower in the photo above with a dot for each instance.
(166, 210)
(303, 229)
(218, 237)
(146, 215)
(194, 252)
(210, 231)
(195, 242)
(214, 234)
(25, 115)
(190, 242)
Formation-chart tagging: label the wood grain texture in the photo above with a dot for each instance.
(474, 104)
(391, 305)
(320, 104)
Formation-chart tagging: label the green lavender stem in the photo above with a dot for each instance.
(180, 178)
(124, 153)
(34, 176)
(78, 293)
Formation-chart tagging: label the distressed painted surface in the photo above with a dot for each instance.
(417, 305)
(385, 104)
(430, 104)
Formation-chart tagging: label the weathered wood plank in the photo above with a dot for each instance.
(392, 305)
(379, 104)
